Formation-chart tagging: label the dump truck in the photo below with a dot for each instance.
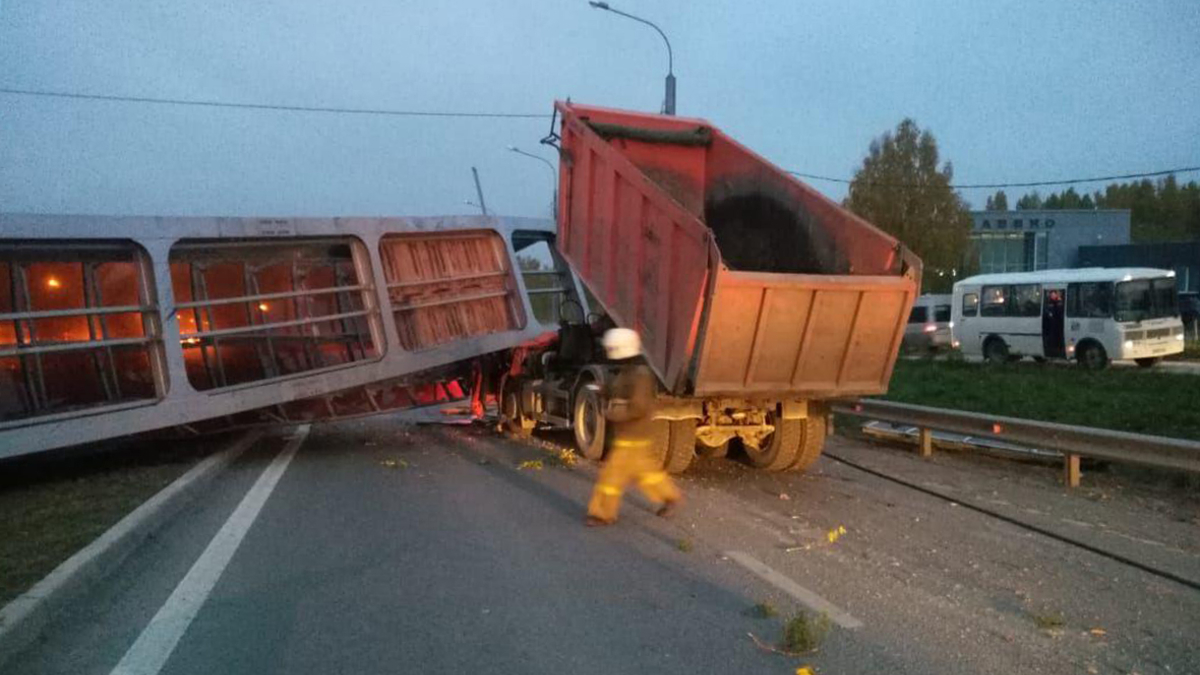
(758, 299)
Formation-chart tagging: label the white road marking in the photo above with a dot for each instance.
(159, 639)
(804, 596)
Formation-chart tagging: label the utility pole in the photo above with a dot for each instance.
(669, 99)
(479, 191)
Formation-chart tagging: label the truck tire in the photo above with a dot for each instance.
(812, 442)
(712, 451)
(781, 447)
(660, 441)
(587, 419)
(681, 446)
(512, 418)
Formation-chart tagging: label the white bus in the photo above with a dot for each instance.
(1091, 315)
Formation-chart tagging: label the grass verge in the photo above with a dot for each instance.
(1124, 399)
(54, 507)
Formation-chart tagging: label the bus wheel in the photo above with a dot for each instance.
(1092, 356)
(588, 421)
(995, 350)
(1147, 362)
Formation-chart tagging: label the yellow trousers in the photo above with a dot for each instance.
(630, 461)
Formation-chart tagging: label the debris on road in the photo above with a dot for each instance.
(763, 610)
(394, 463)
(531, 465)
(684, 545)
(802, 635)
(1049, 621)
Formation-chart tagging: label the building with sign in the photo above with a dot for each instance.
(1026, 241)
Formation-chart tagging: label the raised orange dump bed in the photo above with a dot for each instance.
(742, 280)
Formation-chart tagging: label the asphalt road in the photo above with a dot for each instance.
(380, 548)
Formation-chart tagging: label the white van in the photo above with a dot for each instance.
(929, 323)
(1091, 315)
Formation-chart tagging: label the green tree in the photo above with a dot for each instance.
(998, 201)
(1159, 211)
(902, 190)
(1030, 201)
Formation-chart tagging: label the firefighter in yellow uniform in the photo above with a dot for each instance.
(630, 427)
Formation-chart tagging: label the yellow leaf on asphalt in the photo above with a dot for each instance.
(805, 670)
(1098, 631)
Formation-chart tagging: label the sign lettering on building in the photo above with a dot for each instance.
(1017, 224)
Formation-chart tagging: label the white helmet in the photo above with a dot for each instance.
(622, 343)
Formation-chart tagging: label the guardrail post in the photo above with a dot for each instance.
(926, 436)
(1071, 470)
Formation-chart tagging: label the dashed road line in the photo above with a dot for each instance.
(801, 594)
(154, 646)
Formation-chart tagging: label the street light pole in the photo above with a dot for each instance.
(479, 191)
(553, 174)
(669, 100)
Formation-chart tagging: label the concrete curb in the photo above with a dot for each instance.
(22, 620)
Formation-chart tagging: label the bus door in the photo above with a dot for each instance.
(1053, 343)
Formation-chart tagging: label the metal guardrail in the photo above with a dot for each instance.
(1072, 441)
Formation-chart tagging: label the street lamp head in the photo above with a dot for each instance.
(599, 5)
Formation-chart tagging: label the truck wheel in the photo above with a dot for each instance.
(812, 442)
(779, 450)
(713, 451)
(511, 416)
(588, 422)
(681, 446)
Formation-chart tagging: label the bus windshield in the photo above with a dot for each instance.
(1143, 299)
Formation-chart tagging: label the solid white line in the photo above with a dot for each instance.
(804, 596)
(159, 639)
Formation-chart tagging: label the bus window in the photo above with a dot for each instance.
(941, 313)
(919, 315)
(1143, 299)
(1026, 300)
(1133, 300)
(970, 304)
(993, 301)
(1166, 301)
(1089, 300)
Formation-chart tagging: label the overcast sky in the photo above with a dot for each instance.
(1013, 91)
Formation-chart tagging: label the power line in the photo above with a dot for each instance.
(500, 115)
(1069, 181)
(265, 106)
